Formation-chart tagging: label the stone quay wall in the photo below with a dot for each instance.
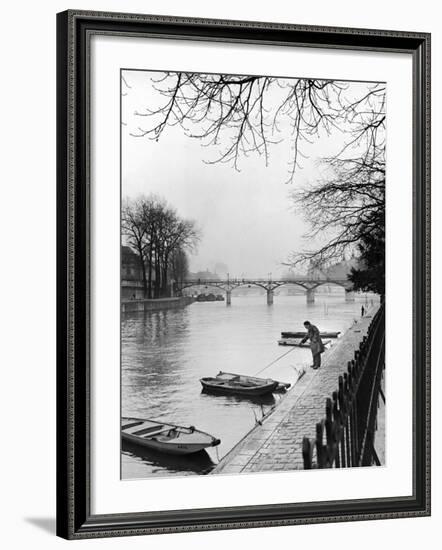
(159, 304)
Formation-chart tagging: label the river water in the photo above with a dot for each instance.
(165, 353)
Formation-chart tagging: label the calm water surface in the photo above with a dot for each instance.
(164, 354)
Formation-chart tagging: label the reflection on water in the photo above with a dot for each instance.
(137, 458)
(164, 354)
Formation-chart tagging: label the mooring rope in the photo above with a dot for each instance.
(277, 359)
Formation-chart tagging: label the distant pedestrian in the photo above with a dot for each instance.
(362, 311)
(316, 345)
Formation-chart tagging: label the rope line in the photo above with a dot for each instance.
(277, 359)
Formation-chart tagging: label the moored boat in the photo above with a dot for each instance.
(239, 385)
(297, 342)
(304, 334)
(281, 386)
(165, 437)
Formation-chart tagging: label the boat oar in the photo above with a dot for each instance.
(277, 359)
(299, 372)
(254, 414)
(256, 418)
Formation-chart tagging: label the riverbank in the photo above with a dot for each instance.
(159, 304)
(277, 444)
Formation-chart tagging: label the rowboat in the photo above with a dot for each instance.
(281, 387)
(198, 463)
(297, 342)
(304, 334)
(239, 384)
(164, 437)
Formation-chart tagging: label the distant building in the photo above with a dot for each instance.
(339, 270)
(203, 275)
(130, 265)
(131, 275)
(342, 269)
(221, 269)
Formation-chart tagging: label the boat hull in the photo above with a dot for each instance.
(180, 445)
(176, 449)
(281, 386)
(304, 334)
(213, 386)
(296, 342)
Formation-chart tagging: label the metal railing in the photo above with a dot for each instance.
(345, 437)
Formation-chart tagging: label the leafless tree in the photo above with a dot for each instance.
(172, 234)
(135, 231)
(244, 115)
(155, 232)
(179, 265)
(345, 205)
(248, 114)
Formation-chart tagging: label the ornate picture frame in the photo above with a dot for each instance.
(75, 518)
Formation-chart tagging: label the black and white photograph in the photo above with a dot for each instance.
(252, 273)
(221, 275)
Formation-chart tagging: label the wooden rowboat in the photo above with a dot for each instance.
(239, 385)
(281, 387)
(164, 437)
(297, 342)
(304, 334)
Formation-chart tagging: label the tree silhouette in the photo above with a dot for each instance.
(156, 233)
(240, 115)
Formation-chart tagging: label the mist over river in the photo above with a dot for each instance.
(165, 353)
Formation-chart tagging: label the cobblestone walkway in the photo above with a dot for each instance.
(277, 443)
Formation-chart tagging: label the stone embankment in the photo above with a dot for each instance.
(159, 304)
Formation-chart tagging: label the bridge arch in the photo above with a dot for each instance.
(269, 285)
(205, 285)
(341, 284)
(291, 283)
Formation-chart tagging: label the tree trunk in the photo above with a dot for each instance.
(149, 292)
(165, 290)
(143, 270)
(157, 275)
(165, 275)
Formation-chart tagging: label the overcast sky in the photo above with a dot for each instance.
(246, 218)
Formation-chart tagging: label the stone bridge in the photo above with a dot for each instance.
(309, 284)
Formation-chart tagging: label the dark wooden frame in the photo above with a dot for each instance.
(74, 519)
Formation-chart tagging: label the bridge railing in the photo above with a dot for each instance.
(345, 437)
(266, 280)
(272, 283)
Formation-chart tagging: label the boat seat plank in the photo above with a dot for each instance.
(151, 430)
(131, 425)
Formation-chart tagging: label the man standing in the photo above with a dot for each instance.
(316, 345)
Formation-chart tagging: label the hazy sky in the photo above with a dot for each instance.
(246, 218)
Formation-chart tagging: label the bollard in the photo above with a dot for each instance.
(307, 453)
